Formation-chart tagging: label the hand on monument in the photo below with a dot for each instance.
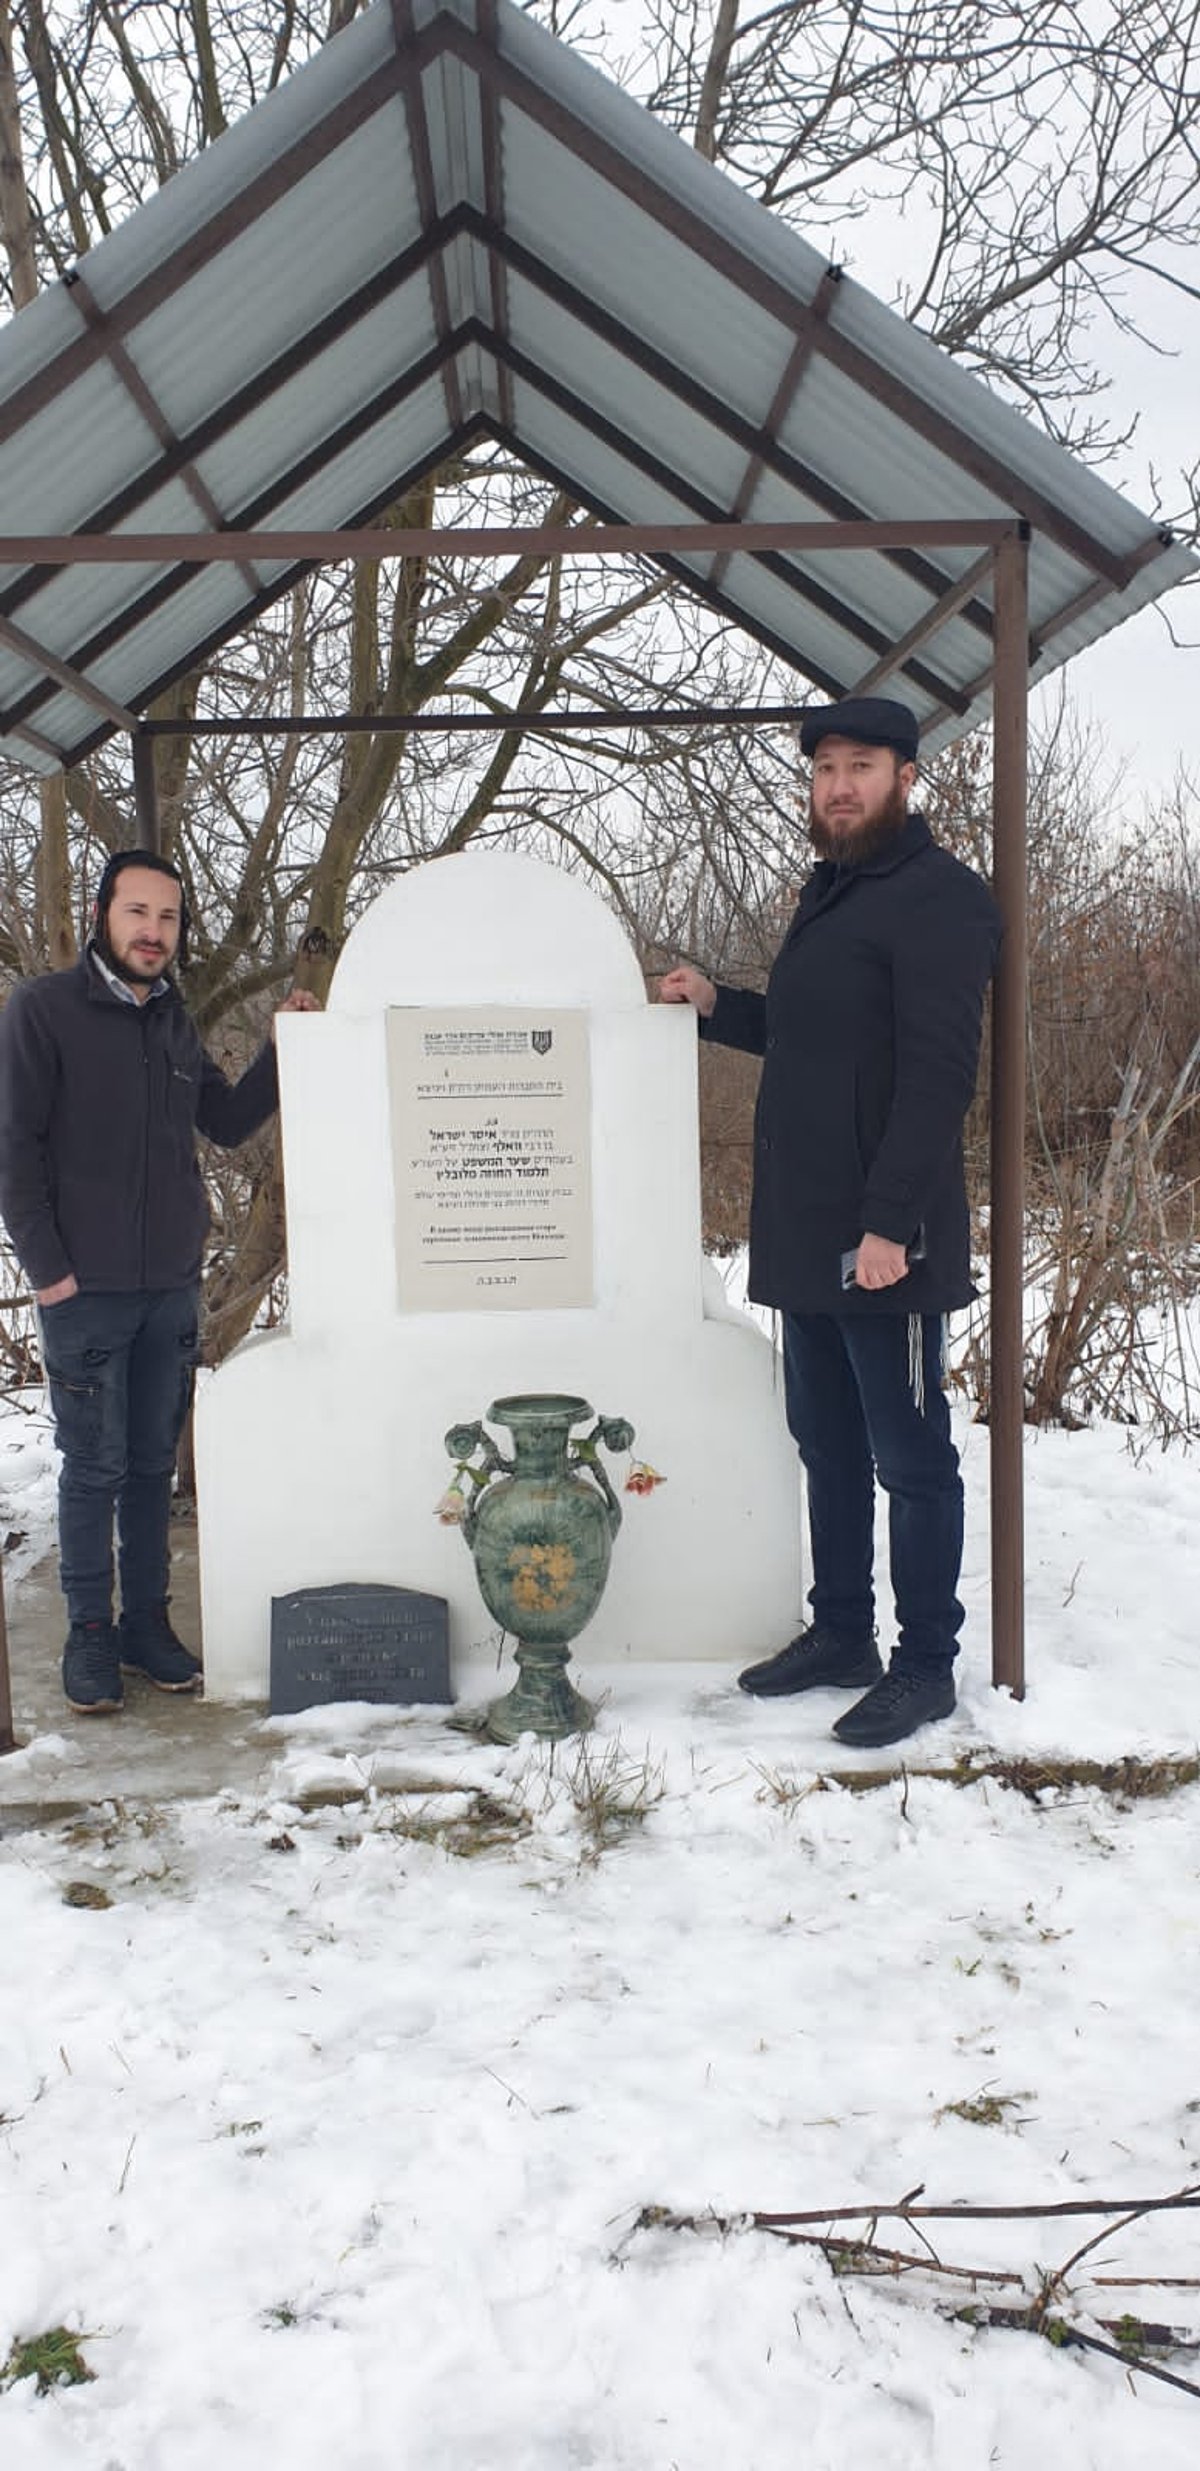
(880, 1263)
(58, 1294)
(685, 985)
(300, 1000)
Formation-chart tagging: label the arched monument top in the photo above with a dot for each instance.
(487, 927)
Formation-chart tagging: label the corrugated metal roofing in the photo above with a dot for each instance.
(448, 225)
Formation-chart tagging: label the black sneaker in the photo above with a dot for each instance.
(896, 1707)
(91, 1669)
(815, 1661)
(149, 1646)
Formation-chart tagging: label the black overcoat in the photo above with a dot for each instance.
(869, 1033)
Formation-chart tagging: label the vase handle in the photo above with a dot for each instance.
(616, 1434)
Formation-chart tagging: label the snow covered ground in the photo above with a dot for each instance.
(329, 2132)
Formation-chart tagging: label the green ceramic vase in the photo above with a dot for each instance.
(541, 1526)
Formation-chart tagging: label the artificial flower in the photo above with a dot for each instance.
(642, 1478)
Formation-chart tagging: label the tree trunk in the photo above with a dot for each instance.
(54, 876)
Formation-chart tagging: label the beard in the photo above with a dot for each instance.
(855, 844)
(134, 973)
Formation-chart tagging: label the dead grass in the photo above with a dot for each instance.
(1123, 1780)
(984, 2109)
(613, 1794)
(485, 1825)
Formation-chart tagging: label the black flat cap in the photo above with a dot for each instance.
(872, 718)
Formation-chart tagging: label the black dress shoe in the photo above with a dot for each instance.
(815, 1661)
(896, 1707)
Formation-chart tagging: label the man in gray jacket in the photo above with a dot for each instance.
(104, 1085)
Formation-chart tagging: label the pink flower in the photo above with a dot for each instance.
(642, 1478)
(451, 1509)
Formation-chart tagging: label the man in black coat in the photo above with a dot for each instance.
(104, 1085)
(869, 1033)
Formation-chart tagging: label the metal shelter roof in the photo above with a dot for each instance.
(449, 226)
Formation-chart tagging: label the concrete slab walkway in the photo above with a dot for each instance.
(163, 1745)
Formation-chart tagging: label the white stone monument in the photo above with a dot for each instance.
(492, 1179)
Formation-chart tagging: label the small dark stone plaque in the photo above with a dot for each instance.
(387, 1645)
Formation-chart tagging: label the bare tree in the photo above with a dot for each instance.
(1037, 160)
(1040, 162)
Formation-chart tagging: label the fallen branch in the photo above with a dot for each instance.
(1185, 2200)
(1134, 2335)
(1147, 2282)
(857, 2256)
(1066, 2337)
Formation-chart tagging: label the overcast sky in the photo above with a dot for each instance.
(1139, 691)
(1142, 692)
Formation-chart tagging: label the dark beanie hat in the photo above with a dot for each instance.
(872, 718)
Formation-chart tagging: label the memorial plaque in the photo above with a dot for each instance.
(491, 1124)
(387, 1645)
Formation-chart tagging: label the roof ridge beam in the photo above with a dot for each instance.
(404, 36)
(492, 136)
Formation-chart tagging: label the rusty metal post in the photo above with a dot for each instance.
(8, 1739)
(145, 791)
(1010, 710)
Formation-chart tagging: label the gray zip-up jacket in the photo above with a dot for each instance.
(100, 1104)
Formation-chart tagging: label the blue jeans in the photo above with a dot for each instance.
(853, 1415)
(120, 1370)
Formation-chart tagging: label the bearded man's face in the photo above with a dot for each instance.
(859, 799)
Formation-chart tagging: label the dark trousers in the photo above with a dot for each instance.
(120, 1370)
(856, 1412)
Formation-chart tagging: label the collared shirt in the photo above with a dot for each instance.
(120, 986)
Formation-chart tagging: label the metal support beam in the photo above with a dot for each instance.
(605, 540)
(919, 635)
(430, 720)
(201, 246)
(846, 613)
(8, 1739)
(83, 299)
(784, 397)
(1010, 711)
(145, 791)
(75, 680)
